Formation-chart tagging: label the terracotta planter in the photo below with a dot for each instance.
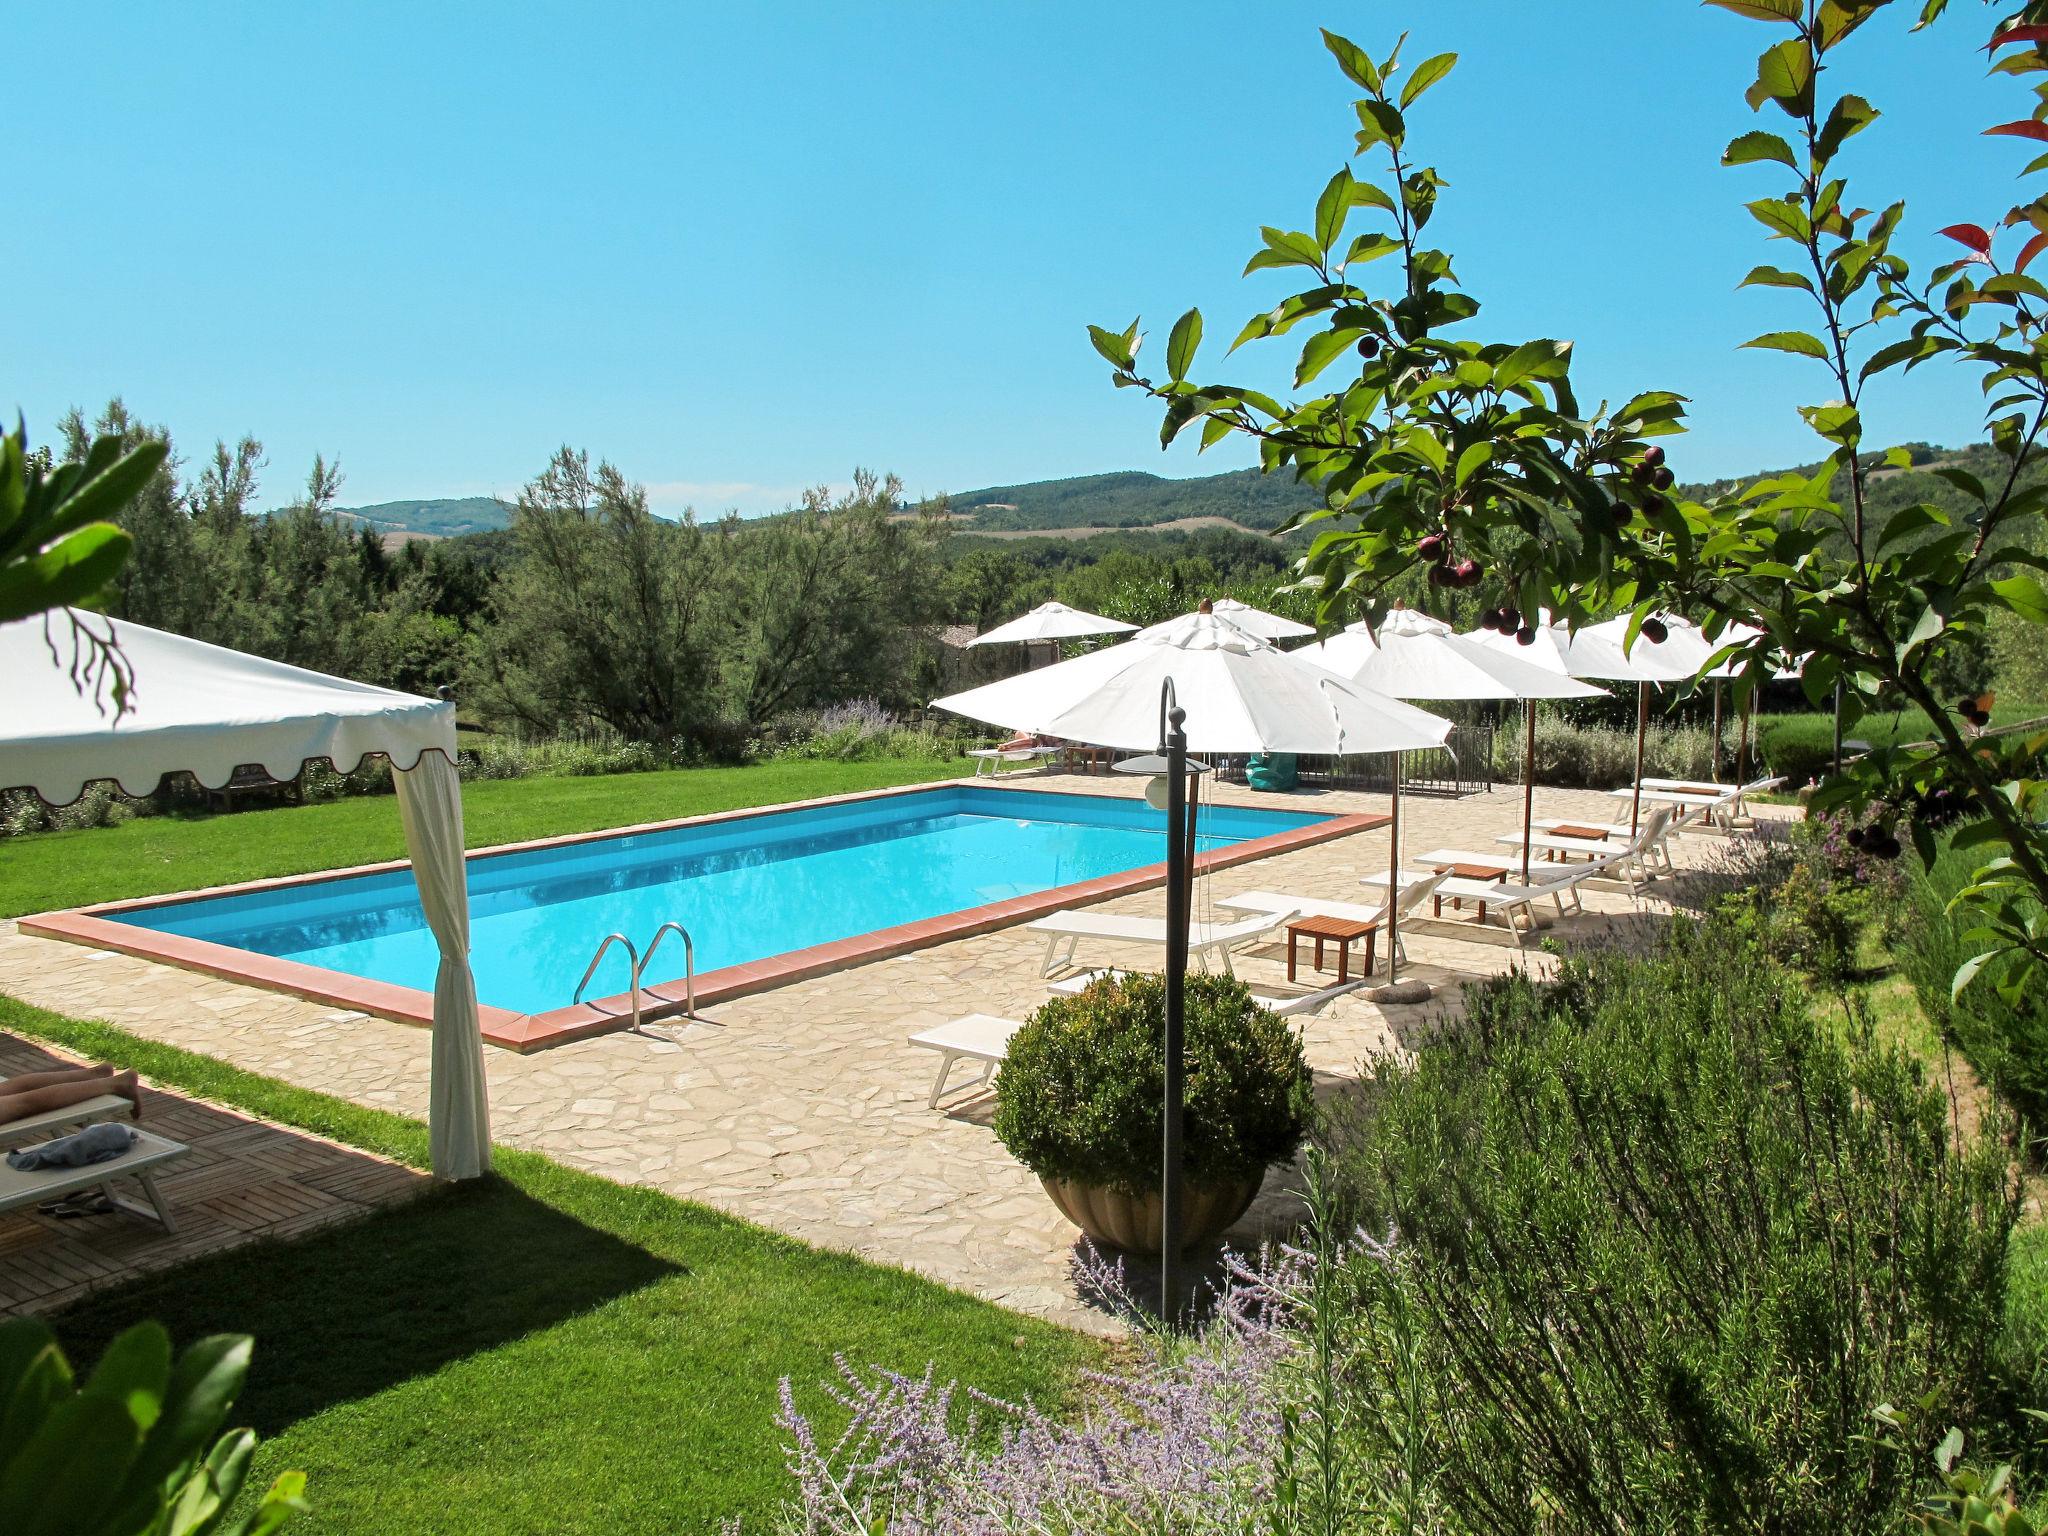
(1132, 1222)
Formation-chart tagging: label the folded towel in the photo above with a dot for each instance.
(94, 1144)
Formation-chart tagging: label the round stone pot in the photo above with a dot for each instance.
(1132, 1222)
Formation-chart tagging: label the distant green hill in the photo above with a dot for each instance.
(1133, 499)
(442, 519)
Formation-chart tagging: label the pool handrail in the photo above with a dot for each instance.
(632, 959)
(689, 967)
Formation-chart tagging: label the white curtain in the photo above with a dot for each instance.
(459, 1117)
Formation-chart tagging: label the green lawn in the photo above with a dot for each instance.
(178, 853)
(1801, 745)
(542, 1351)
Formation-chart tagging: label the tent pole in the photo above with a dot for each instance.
(1394, 880)
(1635, 805)
(1528, 785)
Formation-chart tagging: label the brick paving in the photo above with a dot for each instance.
(243, 1180)
(803, 1108)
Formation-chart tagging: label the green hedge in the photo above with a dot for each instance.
(1801, 746)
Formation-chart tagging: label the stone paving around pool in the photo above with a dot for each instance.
(803, 1109)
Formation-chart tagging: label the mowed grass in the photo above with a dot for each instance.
(541, 1351)
(155, 854)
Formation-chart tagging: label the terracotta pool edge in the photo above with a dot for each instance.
(531, 1032)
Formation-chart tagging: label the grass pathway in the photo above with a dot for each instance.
(541, 1351)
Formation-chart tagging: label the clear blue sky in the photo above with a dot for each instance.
(741, 248)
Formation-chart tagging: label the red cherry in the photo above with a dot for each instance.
(1466, 573)
(1663, 478)
(1510, 618)
(1526, 635)
(1430, 546)
(1441, 576)
(1653, 455)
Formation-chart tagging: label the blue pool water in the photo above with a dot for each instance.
(746, 888)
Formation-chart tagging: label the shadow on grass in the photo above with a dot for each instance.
(345, 1313)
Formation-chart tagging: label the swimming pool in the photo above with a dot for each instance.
(751, 889)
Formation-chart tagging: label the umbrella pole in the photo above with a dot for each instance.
(1394, 880)
(1635, 806)
(1528, 786)
(1742, 744)
(1178, 893)
(1717, 731)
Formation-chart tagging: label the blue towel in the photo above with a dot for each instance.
(95, 1144)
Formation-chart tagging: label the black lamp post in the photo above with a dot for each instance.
(1173, 764)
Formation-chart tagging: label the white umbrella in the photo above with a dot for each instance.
(1052, 621)
(1256, 621)
(1743, 635)
(1416, 657)
(1602, 651)
(1241, 695)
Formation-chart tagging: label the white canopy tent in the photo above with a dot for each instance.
(206, 710)
(1416, 657)
(1052, 621)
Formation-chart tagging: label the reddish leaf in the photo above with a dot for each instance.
(2025, 128)
(2029, 251)
(1972, 235)
(2017, 35)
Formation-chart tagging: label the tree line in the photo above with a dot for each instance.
(591, 612)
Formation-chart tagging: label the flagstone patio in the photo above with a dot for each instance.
(803, 1108)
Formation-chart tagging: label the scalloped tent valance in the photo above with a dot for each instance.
(194, 707)
(207, 710)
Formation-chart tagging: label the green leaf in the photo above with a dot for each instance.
(1775, 277)
(1321, 348)
(2023, 595)
(1532, 358)
(1798, 342)
(1180, 346)
(1911, 520)
(1356, 63)
(1967, 973)
(1761, 10)
(1781, 218)
(1382, 122)
(1847, 118)
(71, 1471)
(1331, 209)
(1748, 148)
(1474, 458)
(76, 569)
(1427, 73)
(1286, 248)
(135, 1371)
(1370, 248)
(204, 1385)
(1784, 74)
(1114, 349)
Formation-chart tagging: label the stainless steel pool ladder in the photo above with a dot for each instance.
(639, 963)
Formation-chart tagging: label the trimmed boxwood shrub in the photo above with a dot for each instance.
(1081, 1090)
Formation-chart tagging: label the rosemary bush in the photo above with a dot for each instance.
(1670, 1244)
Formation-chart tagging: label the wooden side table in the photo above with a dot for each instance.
(1341, 931)
(1485, 872)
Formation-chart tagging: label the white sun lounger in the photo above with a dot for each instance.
(105, 1106)
(1620, 851)
(1413, 894)
(1285, 1004)
(1204, 939)
(21, 1187)
(992, 758)
(1721, 808)
(978, 1037)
